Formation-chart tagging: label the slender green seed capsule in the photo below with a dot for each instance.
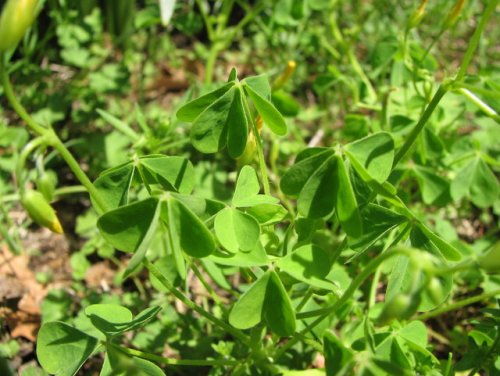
(40, 210)
(17, 16)
(417, 15)
(454, 14)
(490, 261)
(46, 186)
(395, 308)
(435, 290)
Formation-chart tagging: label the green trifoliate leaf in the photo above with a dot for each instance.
(190, 111)
(346, 204)
(318, 196)
(247, 190)
(266, 299)
(236, 230)
(172, 173)
(187, 231)
(259, 84)
(268, 112)
(111, 319)
(62, 349)
(309, 264)
(255, 257)
(477, 182)
(247, 311)
(114, 184)
(372, 156)
(237, 126)
(278, 310)
(209, 130)
(127, 227)
(306, 164)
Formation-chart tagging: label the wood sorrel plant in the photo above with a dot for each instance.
(296, 289)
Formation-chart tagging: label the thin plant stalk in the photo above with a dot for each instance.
(174, 362)
(51, 138)
(457, 305)
(190, 304)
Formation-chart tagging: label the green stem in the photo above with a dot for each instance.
(190, 304)
(174, 362)
(21, 161)
(58, 192)
(474, 41)
(77, 170)
(260, 150)
(325, 312)
(210, 65)
(207, 286)
(8, 239)
(412, 137)
(206, 20)
(52, 138)
(457, 305)
(16, 105)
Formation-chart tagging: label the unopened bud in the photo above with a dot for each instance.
(17, 16)
(40, 210)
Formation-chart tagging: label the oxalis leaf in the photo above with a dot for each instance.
(247, 190)
(117, 363)
(269, 113)
(477, 182)
(372, 156)
(172, 173)
(209, 130)
(62, 349)
(319, 194)
(131, 228)
(322, 184)
(126, 228)
(306, 163)
(190, 111)
(265, 299)
(346, 204)
(112, 319)
(187, 231)
(236, 230)
(237, 126)
(309, 264)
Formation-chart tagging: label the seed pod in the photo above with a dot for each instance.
(435, 290)
(46, 185)
(250, 151)
(285, 76)
(394, 309)
(454, 14)
(490, 261)
(40, 210)
(417, 15)
(17, 16)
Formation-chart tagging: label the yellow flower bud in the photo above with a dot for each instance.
(17, 16)
(40, 210)
(417, 15)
